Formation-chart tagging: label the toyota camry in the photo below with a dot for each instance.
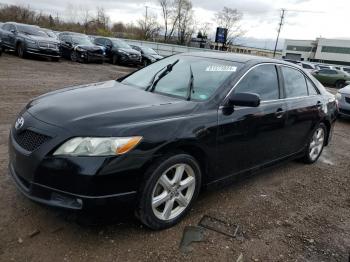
(155, 138)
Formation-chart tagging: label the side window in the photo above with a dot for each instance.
(100, 41)
(6, 27)
(311, 87)
(307, 66)
(294, 82)
(333, 72)
(261, 80)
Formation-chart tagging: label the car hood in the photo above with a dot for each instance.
(158, 57)
(89, 47)
(129, 51)
(105, 105)
(41, 38)
(345, 90)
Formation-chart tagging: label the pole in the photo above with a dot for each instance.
(279, 31)
(146, 12)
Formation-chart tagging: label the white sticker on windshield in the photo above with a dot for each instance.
(216, 68)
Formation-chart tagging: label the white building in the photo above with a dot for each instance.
(332, 51)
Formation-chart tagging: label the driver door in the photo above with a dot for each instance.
(249, 137)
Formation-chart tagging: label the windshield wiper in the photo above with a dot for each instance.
(165, 70)
(190, 85)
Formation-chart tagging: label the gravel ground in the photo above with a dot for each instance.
(293, 212)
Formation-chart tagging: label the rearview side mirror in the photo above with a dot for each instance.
(244, 99)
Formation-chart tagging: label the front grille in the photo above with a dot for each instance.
(96, 52)
(30, 140)
(48, 45)
(347, 99)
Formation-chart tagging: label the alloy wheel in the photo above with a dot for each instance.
(317, 143)
(173, 192)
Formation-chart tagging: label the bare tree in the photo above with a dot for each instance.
(185, 21)
(230, 18)
(149, 27)
(166, 11)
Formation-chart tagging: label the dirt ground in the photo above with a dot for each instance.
(293, 212)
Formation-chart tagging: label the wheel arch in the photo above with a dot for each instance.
(327, 123)
(192, 149)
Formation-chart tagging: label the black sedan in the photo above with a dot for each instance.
(119, 52)
(79, 48)
(154, 138)
(149, 56)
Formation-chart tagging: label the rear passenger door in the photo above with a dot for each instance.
(303, 108)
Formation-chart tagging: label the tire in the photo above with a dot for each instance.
(20, 50)
(340, 84)
(115, 60)
(175, 194)
(74, 56)
(316, 144)
(145, 63)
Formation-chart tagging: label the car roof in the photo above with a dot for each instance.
(15, 23)
(234, 57)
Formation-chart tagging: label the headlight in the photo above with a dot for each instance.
(338, 96)
(29, 41)
(79, 49)
(98, 146)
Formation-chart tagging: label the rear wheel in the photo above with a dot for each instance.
(169, 192)
(340, 84)
(316, 144)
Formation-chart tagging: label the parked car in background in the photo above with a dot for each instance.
(50, 33)
(343, 98)
(155, 138)
(28, 39)
(345, 69)
(292, 61)
(323, 66)
(149, 56)
(119, 52)
(310, 67)
(79, 48)
(332, 77)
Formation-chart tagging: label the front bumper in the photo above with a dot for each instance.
(344, 105)
(128, 59)
(58, 198)
(53, 53)
(71, 182)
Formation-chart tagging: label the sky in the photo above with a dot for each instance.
(304, 19)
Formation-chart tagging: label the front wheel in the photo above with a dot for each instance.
(316, 144)
(74, 56)
(20, 50)
(172, 186)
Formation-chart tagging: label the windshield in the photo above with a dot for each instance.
(31, 30)
(81, 40)
(148, 50)
(208, 76)
(120, 44)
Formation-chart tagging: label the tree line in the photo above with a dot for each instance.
(177, 23)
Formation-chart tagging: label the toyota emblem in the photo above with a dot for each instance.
(19, 123)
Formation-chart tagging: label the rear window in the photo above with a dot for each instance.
(208, 76)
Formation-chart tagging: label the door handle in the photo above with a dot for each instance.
(279, 113)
